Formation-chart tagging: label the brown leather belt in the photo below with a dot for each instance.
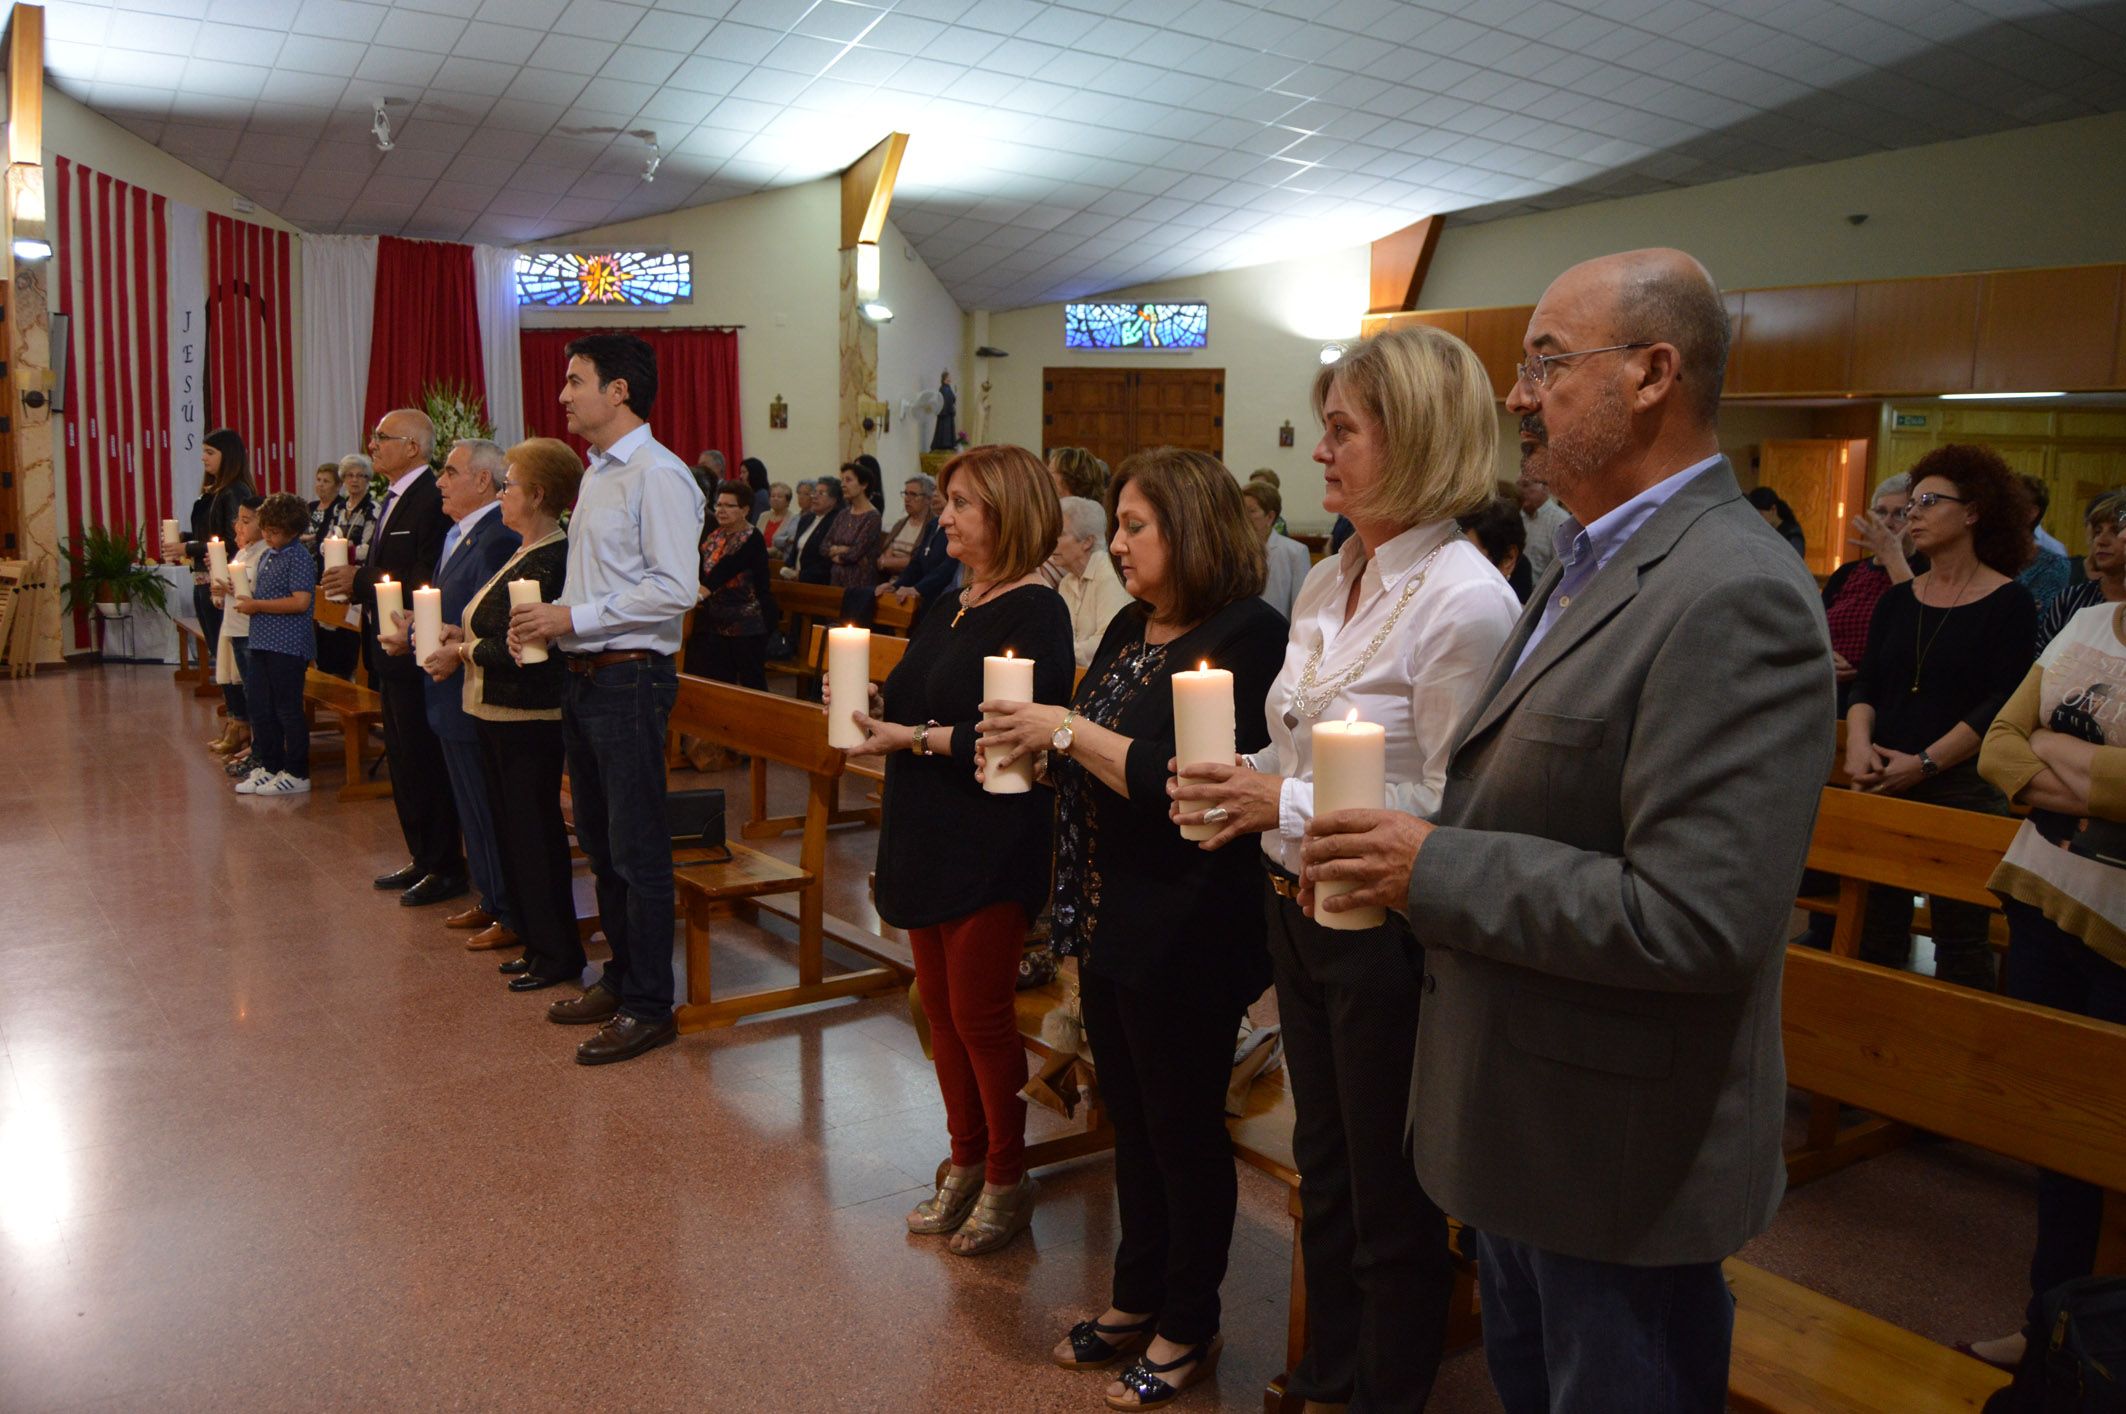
(1283, 882)
(588, 663)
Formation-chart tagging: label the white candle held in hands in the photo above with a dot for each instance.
(848, 684)
(217, 560)
(427, 622)
(171, 536)
(1007, 679)
(240, 579)
(1350, 773)
(334, 549)
(390, 600)
(526, 591)
(1203, 726)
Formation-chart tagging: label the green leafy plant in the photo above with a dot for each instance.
(111, 566)
(458, 412)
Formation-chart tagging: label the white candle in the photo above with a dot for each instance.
(1350, 773)
(334, 549)
(848, 683)
(240, 579)
(526, 591)
(170, 535)
(390, 600)
(427, 622)
(217, 560)
(1203, 726)
(1008, 679)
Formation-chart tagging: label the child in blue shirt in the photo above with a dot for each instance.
(283, 642)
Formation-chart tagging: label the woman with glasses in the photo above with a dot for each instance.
(2105, 582)
(1943, 653)
(1857, 586)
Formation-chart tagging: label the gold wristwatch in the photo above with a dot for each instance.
(1060, 742)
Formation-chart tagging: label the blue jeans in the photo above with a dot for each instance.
(468, 787)
(612, 728)
(1567, 1334)
(280, 738)
(2051, 967)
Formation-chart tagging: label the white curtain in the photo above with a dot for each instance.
(339, 314)
(494, 270)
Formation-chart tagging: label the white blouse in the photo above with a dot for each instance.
(1419, 685)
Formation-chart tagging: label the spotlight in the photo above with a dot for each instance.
(27, 248)
(1331, 352)
(867, 271)
(649, 168)
(381, 128)
(876, 312)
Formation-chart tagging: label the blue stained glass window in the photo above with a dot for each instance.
(605, 277)
(1109, 324)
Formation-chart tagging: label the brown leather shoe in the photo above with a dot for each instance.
(594, 1006)
(491, 937)
(625, 1037)
(474, 917)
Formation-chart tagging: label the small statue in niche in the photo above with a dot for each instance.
(945, 437)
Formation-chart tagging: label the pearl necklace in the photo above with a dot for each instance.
(1310, 697)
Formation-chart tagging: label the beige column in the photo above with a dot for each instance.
(29, 521)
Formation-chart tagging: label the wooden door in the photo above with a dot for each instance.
(1821, 479)
(1117, 411)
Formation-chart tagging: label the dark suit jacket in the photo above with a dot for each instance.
(485, 549)
(1604, 905)
(930, 568)
(406, 549)
(813, 567)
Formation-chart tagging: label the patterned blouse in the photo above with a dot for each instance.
(859, 531)
(732, 607)
(354, 522)
(1077, 908)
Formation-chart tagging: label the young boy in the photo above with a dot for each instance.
(235, 630)
(283, 641)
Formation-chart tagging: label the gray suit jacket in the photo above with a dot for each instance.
(1599, 1069)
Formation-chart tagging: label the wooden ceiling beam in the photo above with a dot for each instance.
(1399, 265)
(867, 191)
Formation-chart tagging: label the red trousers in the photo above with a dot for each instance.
(967, 972)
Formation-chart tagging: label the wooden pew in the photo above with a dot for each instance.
(768, 727)
(806, 606)
(192, 643)
(357, 710)
(886, 653)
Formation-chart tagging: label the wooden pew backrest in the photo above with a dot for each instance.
(822, 603)
(758, 724)
(886, 652)
(1922, 849)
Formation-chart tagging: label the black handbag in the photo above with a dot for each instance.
(2076, 1363)
(695, 819)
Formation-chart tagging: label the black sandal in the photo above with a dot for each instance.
(1091, 1352)
(1141, 1377)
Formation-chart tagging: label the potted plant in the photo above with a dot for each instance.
(457, 412)
(110, 568)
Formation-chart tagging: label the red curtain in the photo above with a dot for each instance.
(697, 405)
(427, 324)
(250, 348)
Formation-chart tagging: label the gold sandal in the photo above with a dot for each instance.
(946, 1209)
(997, 1218)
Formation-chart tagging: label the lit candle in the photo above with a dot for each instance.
(526, 591)
(217, 560)
(170, 536)
(1350, 773)
(390, 600)
(848, 683)
(427, 622)
(1203, 726)
(334, 548)
(1008, 679)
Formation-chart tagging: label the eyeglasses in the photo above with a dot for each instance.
(1536, 371)
(382, 436)
(1893, 517)
(1928, 500)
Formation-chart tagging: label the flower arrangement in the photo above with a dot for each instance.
(458, 412)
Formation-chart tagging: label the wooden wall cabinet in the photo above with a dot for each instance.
(1796, 340)
(2041, 330)
(1496, 336)
(1915, 336)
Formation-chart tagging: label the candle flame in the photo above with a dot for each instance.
(1203, 665)
(1351, 718)
(1010, 654)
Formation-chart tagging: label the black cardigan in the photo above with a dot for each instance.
(749, 559)
(533, 687)
(216, 515)
(1976, 656)
(1175, 919)
(946, 847)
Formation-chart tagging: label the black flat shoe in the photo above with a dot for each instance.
(1091, 1349)
(435, 888)
(533, 982)
(403, 878)
(516, 966)
(1142, 1378)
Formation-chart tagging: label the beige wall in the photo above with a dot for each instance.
(925, 337)
(2048, 195)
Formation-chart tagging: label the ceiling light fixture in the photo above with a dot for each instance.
(29, 248)
(867, 274)
(381, 128)
(875, 312)
(1990, 397)
(1332, 351)
(649, 168)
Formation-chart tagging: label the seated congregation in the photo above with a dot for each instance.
(1521, 789)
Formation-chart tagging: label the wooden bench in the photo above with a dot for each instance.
(769, 728)
(808, 606)
(199, 670)
(358, 711)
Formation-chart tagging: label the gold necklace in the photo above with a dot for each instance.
(1920, 622)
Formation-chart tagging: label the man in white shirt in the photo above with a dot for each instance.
(633, 565)
(1087, 581)
(1541, 516)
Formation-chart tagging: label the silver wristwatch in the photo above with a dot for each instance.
(1060, 742)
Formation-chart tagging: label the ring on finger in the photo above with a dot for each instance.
(1216, 815)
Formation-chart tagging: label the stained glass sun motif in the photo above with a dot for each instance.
(605, 277)
(1111, 324)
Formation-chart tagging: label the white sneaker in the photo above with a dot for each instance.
(249, 785)
(283, 784)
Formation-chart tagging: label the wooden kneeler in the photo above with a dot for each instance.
(1883, 842)
(766, 727)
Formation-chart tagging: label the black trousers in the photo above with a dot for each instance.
(1164, 1064)
(420, 779)
(740, 660)
(1379, 1275)
(521, 764)
(338, 650)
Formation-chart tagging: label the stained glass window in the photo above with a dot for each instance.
(1108, 324)
(605, 277)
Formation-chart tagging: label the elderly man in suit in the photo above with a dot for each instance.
(1603, 895)
(405, 540)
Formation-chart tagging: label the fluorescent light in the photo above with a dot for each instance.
(877, 313)
(27, 248)
(867, 272)
(1331, 352)
(1989, 397)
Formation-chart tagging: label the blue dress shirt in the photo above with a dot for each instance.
(634, 548)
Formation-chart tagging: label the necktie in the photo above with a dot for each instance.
(450, 543)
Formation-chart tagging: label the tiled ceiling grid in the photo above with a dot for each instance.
(1058, 149)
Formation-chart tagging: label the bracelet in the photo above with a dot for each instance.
(922, 737)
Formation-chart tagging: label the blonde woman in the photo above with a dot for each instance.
(1401, 626)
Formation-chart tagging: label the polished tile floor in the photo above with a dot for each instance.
(269, 1141)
